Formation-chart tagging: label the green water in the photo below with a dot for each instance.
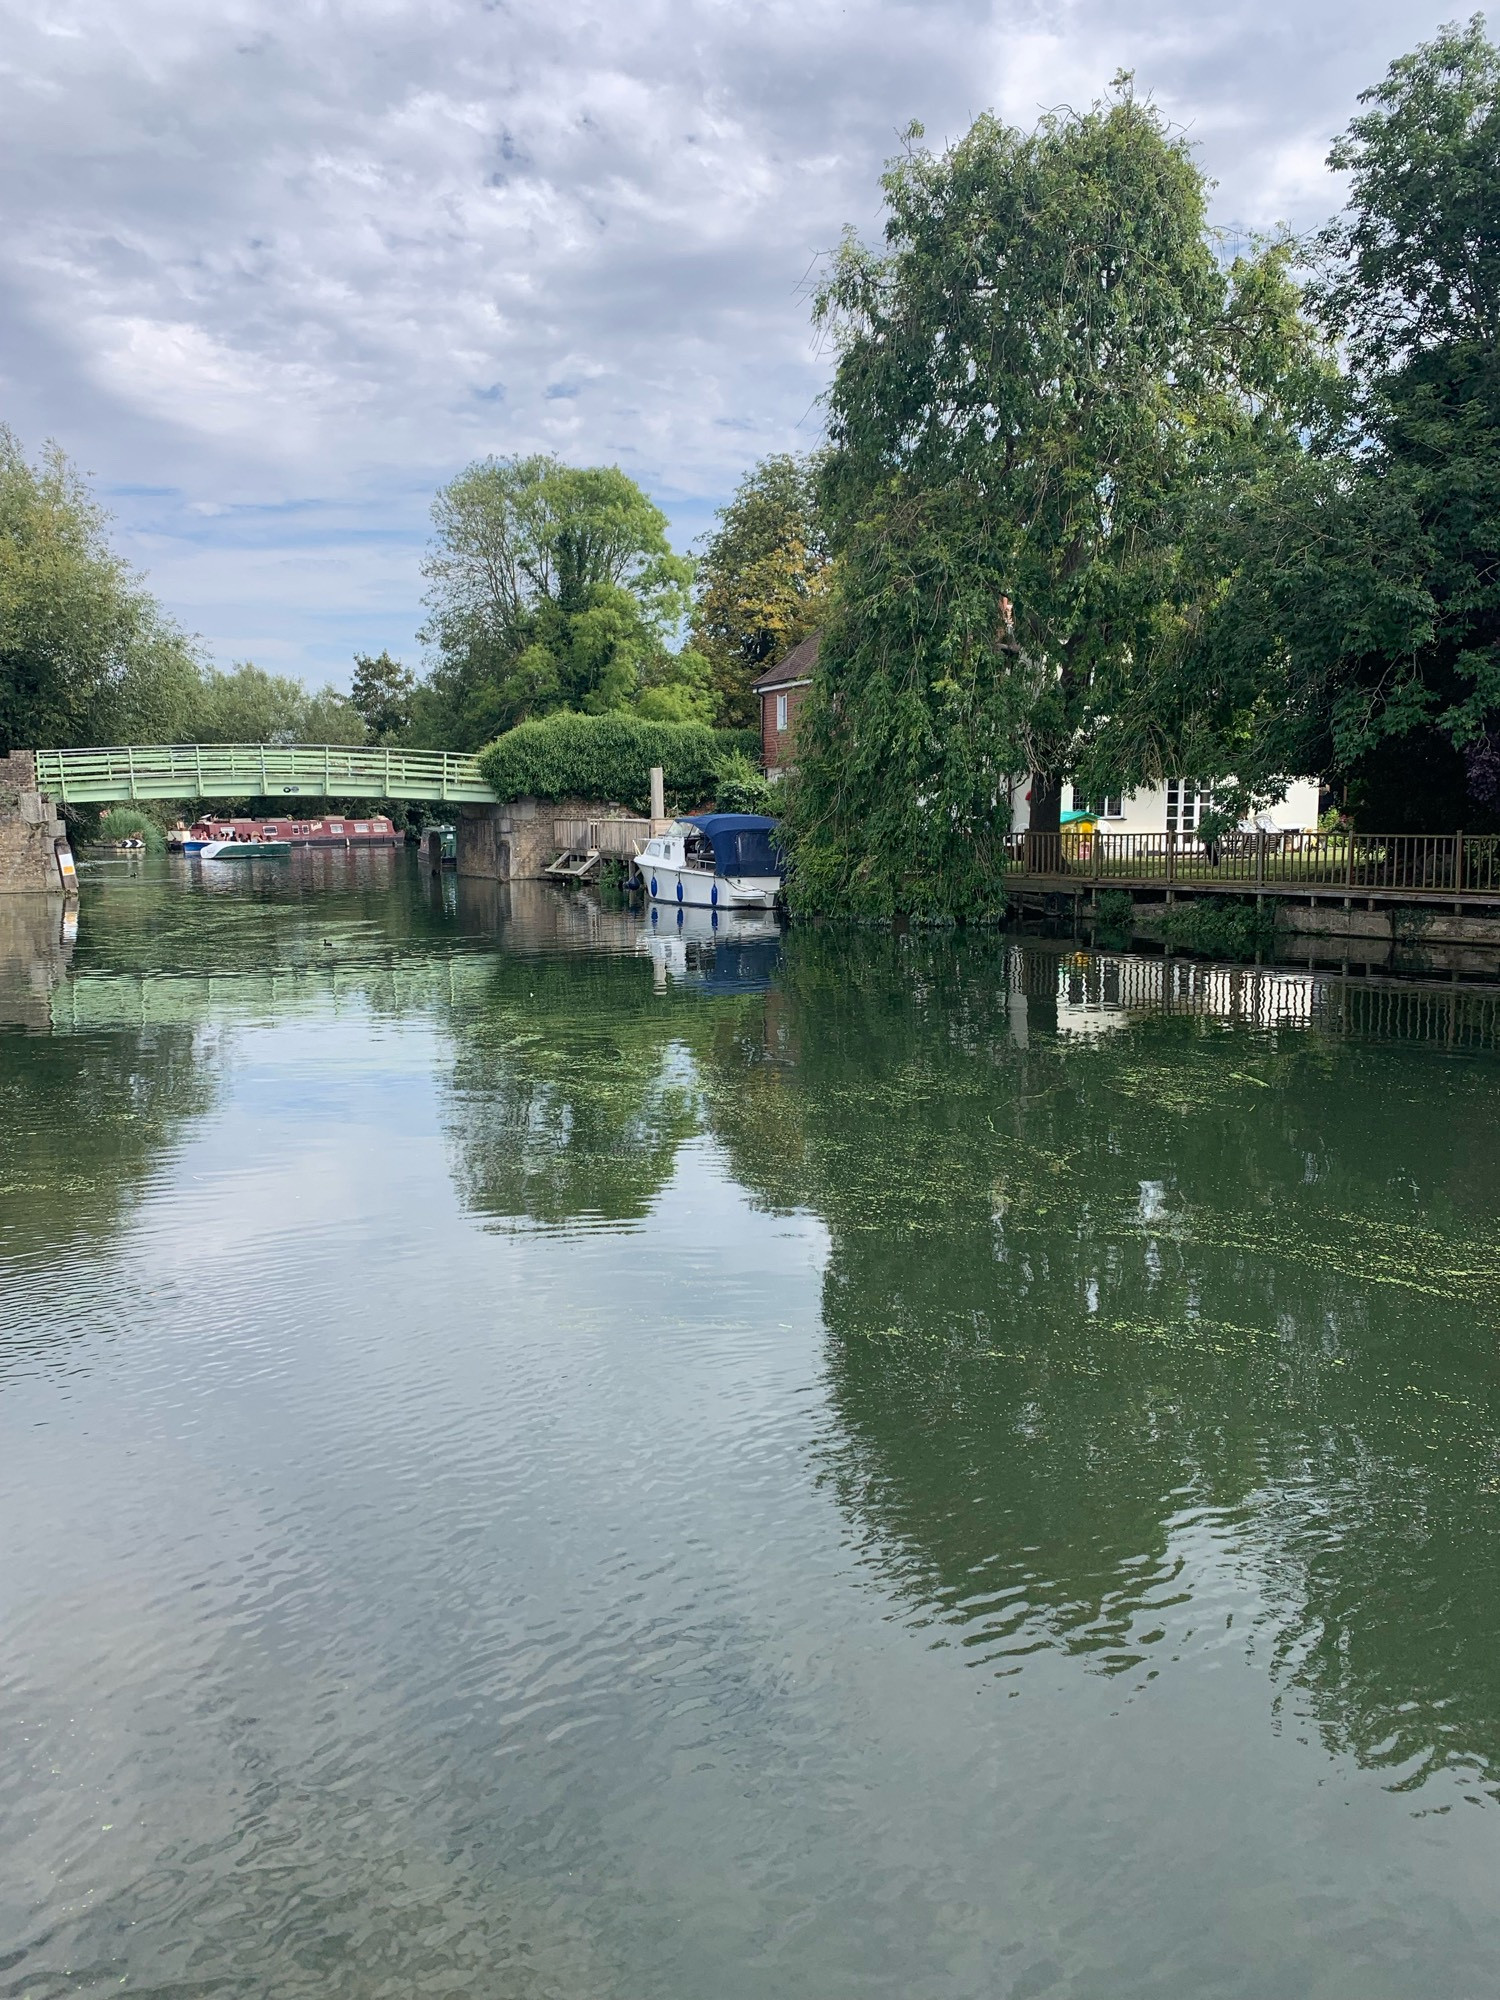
(538, 1459)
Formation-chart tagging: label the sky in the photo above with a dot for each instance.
(271, 273)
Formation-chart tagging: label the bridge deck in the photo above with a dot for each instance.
(261, 770)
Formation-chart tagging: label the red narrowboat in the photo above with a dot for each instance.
(333, 830)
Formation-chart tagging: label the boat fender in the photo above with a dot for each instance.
(679, 892)
(713, 895)
(653, 885)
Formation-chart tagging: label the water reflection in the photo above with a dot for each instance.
(742, 1362)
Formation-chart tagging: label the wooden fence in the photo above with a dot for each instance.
(1446, 865)
(618, 839)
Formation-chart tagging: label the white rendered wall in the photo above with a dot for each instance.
(1146, 811)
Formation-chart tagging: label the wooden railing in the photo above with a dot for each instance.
(1356, 864)
(621, 839)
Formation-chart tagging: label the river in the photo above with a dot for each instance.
(539, 1458)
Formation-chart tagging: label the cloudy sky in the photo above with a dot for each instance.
(271, 272)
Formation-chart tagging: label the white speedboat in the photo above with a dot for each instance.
(235, 850)
(714, 861)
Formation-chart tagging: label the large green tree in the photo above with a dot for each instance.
(1363, 610)
(382, 694)
(763, 579)
(245, 704)
(86, 653)
(1038, 377)
(552, 586)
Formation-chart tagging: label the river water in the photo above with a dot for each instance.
(541, 1458)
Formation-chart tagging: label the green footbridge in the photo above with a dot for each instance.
(262, 770)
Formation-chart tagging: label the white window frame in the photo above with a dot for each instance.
(1187, 802)
(782, 702)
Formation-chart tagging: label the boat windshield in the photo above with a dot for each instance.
(746, 851)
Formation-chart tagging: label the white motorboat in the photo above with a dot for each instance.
(714, 861)
(235, 850)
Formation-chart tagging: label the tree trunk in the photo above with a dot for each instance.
(1046, 803)
(1043, 846)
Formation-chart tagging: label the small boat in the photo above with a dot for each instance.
(236, 850)
(718, 861)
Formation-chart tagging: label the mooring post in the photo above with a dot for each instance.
(658, 798)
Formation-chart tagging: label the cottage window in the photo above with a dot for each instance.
(780, 712)
(1187, 802)
(1106, 808)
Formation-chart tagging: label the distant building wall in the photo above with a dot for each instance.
(777, 749)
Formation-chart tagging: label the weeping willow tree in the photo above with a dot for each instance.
(1038, 378)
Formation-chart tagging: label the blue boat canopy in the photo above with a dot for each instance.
(743, 843)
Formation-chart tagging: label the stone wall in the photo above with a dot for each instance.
(28, 830)
(514, 843)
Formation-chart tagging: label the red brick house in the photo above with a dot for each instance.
(782, 690)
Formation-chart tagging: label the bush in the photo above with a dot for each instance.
(1115, 911)
(1218, 928)
(743, 789)
(130, 823)
(609, 758)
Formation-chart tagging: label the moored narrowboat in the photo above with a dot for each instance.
(333, 830)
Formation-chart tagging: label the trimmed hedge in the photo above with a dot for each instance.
(609, 758)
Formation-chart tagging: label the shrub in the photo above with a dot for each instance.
(609, 757)
(130, 823)
(1115, 911)
(743, 789)
(1218, 928)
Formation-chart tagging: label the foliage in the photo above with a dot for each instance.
(1037, 383)
(550, 586)
(744, 789)
(130, 823)
(86, 654)
(245, 704)
(1114, 911)
(763, 579)
(1219, 927)
(1364, 608)
(382, 696)
(609, 758)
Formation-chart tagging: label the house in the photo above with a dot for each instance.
(1173, 807)
(782, 689)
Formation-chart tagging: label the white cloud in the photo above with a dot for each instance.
(285, 264)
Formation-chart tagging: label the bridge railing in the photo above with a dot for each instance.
(261, 770)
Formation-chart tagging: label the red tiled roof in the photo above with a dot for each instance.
(797, 666)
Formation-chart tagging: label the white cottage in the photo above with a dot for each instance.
(1175, 807)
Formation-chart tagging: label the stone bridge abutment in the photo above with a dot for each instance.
(34, 854)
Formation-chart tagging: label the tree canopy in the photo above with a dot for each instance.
(552, 587)
(1038, 379)
(86, 654)
(382, 696)
(763, 579)
(1362, 609)
(245, 704)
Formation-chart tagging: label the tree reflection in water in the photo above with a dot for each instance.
(1108, 1312)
